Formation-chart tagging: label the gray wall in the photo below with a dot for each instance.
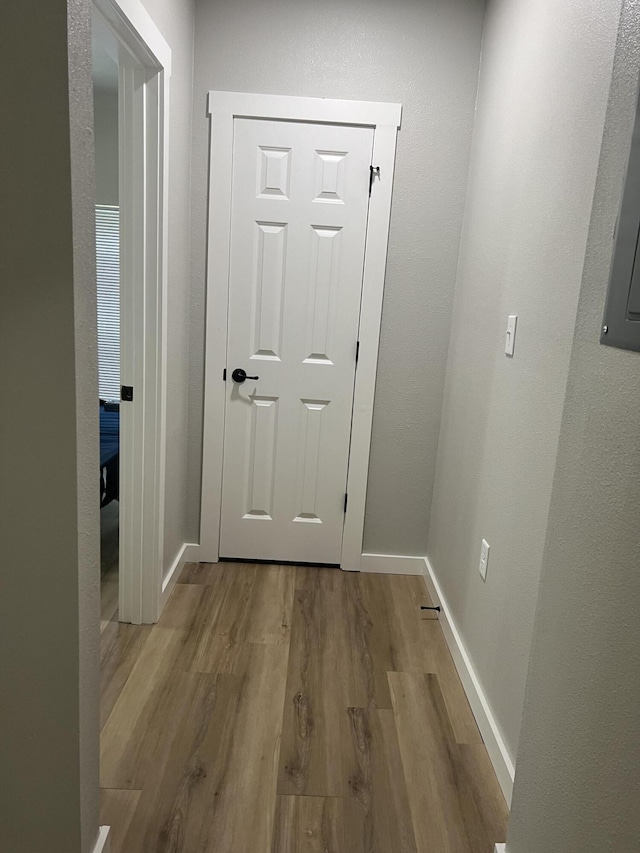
(49, 541)
(578, 776)
(424, 55)
(544, 82)
(105, 122)
(175, 20)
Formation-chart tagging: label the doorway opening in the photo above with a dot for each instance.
(131, 67)
(107, 216)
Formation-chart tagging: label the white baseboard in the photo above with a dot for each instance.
(502, 763)
(192, 553)
(391, 564)
(501, 848)
(187, 554)
(102, 844)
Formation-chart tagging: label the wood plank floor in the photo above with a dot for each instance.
(282, 709)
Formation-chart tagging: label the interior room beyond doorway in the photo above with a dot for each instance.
(107, 212)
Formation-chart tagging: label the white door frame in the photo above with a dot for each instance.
(143, 95)
(223, 108)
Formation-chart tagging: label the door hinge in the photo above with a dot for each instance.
(224, 375)
(357, 351)
(346, 498)
(373, 171)
(126, 393)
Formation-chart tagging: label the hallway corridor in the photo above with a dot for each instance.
(276, 709)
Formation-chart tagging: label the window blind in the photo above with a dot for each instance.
(108, 269)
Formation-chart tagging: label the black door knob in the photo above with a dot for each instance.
(239, 375)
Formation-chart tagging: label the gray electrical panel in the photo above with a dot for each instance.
(621, 321)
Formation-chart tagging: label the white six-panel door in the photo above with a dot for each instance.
(300, 196)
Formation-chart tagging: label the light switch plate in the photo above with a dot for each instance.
(510, 342)
(484, 559)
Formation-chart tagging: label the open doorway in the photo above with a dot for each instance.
(131, 68)
(107, 211)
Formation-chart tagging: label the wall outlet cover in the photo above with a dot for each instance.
(484, 559)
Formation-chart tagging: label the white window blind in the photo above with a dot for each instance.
(108, 267)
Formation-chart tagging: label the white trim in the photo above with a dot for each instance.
(392, 564)
(192, 553)
(133, 25)
(286, 107)
(500, 758)
(188, 553)
(500, 848)
(145, 67)
(103, 843)
(375, 262)
(223, 107)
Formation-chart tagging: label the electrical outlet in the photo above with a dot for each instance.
(484, 559)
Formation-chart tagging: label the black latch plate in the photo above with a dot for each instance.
(126, 393)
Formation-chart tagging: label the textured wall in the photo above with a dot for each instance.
(578, 775)
(86, 416)
(175, 20)
(546, 69)
(424, 55)
(49, 539)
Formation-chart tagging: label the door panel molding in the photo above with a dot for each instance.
(224, 108)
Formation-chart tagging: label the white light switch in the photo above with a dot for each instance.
(512, 321)
(484, 559)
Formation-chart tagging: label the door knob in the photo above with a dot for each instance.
(239, 375)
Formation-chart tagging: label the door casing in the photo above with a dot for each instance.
(223, 109)
(143, 94)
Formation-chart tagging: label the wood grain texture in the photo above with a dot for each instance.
(243, 815)
(310, 825)
(120, 648)
(316, 750)
(220, 628)
(492, 807)
(144, 715)
(117, 809)
(282, 709)
(379, 784)
(239, 604)
(217, 789)
(164, 813)
(272, 605)
(200, 573)
(367, 642)
(443, 793)
(460, 714)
